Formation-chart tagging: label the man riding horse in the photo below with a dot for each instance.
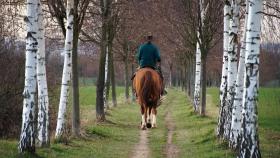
(148, 55)
(148, 82)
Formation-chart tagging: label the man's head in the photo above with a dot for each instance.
(149, 37)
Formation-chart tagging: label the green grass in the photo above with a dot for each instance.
(87, 81)
(269, 108)
(215, 96)
(269, 119)
(194, 136)
(158, 136)
(114, 138)
(88, 95)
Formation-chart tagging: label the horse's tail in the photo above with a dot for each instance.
(148, 90)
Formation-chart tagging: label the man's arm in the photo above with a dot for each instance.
(138, 55)
(157, 54)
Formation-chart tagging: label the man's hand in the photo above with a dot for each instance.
(158, 64)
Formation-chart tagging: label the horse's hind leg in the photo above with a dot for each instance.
(154, 119)
(143, 122)
(149, 117)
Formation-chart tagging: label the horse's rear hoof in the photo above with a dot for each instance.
(149, 125)
(143, 127)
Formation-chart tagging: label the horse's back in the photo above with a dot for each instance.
(142, 72)
(145, 72)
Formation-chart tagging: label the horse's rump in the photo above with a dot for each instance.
(147, 84)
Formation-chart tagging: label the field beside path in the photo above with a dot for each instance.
(179, 133)
(268, 119)
(193, 136)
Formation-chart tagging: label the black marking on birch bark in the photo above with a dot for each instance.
(233, 60)
(257, 38)
(227, 2)
(69, 55)
(30, 35)
(26, 19)
(26, 94)
(71, 12)
(32, 105)
(247, 83)
(31, 50)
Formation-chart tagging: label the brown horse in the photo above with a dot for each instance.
(148, 86)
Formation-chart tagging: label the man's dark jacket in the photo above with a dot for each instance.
(148, 55)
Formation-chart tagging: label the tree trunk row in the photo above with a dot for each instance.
(239, 95)
(35, 72)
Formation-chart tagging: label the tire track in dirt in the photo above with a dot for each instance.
(141, 150)
(171, 149)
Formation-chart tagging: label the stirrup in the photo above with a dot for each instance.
(164, 92)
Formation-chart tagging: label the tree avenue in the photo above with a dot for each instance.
(75, 75)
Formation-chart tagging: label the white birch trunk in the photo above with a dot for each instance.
(106, 78)
(250, 140)
(27, 137)
(66, 76)
(232, 64)
(223, 87)
(235, 132)
(197, 86)
(43, 99)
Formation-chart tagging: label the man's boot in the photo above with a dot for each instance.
(163, 92)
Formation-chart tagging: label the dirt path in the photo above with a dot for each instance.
(141, 150)
(171, 149)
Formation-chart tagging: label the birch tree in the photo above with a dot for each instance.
(207, 25)
(209, 33)
(106, 87)
(235, 131)
(223, 87)
(43, 99)
(250, 139)
(27, 137)
(198, 61)
(197, 78)
(66, 76)
(78, 11)
(232, 64)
